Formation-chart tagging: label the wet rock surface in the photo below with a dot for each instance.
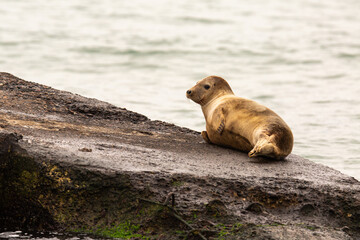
(78, 164)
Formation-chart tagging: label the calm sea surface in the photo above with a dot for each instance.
(301, 58)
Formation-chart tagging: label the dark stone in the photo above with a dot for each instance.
(255, 208)
(307, 210)
(216, 208)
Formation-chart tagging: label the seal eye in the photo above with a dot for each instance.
(207, 87)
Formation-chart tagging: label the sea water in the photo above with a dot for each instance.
(300, 58)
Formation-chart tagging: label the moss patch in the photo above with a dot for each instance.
(124, 230)
(176, 183)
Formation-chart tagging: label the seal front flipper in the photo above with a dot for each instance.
(221, 127)
(220, 121)
(205, 136)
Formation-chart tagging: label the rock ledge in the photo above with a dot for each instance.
(77, 164)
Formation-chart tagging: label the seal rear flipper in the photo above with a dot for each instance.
(263, 148)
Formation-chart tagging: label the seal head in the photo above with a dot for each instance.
(208, 89)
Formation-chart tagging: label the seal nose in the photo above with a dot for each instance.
(188, 92)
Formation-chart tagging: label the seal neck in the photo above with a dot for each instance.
(211, 105)
(217, 97)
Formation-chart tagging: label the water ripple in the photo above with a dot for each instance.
(348, 55)
(203, 20)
